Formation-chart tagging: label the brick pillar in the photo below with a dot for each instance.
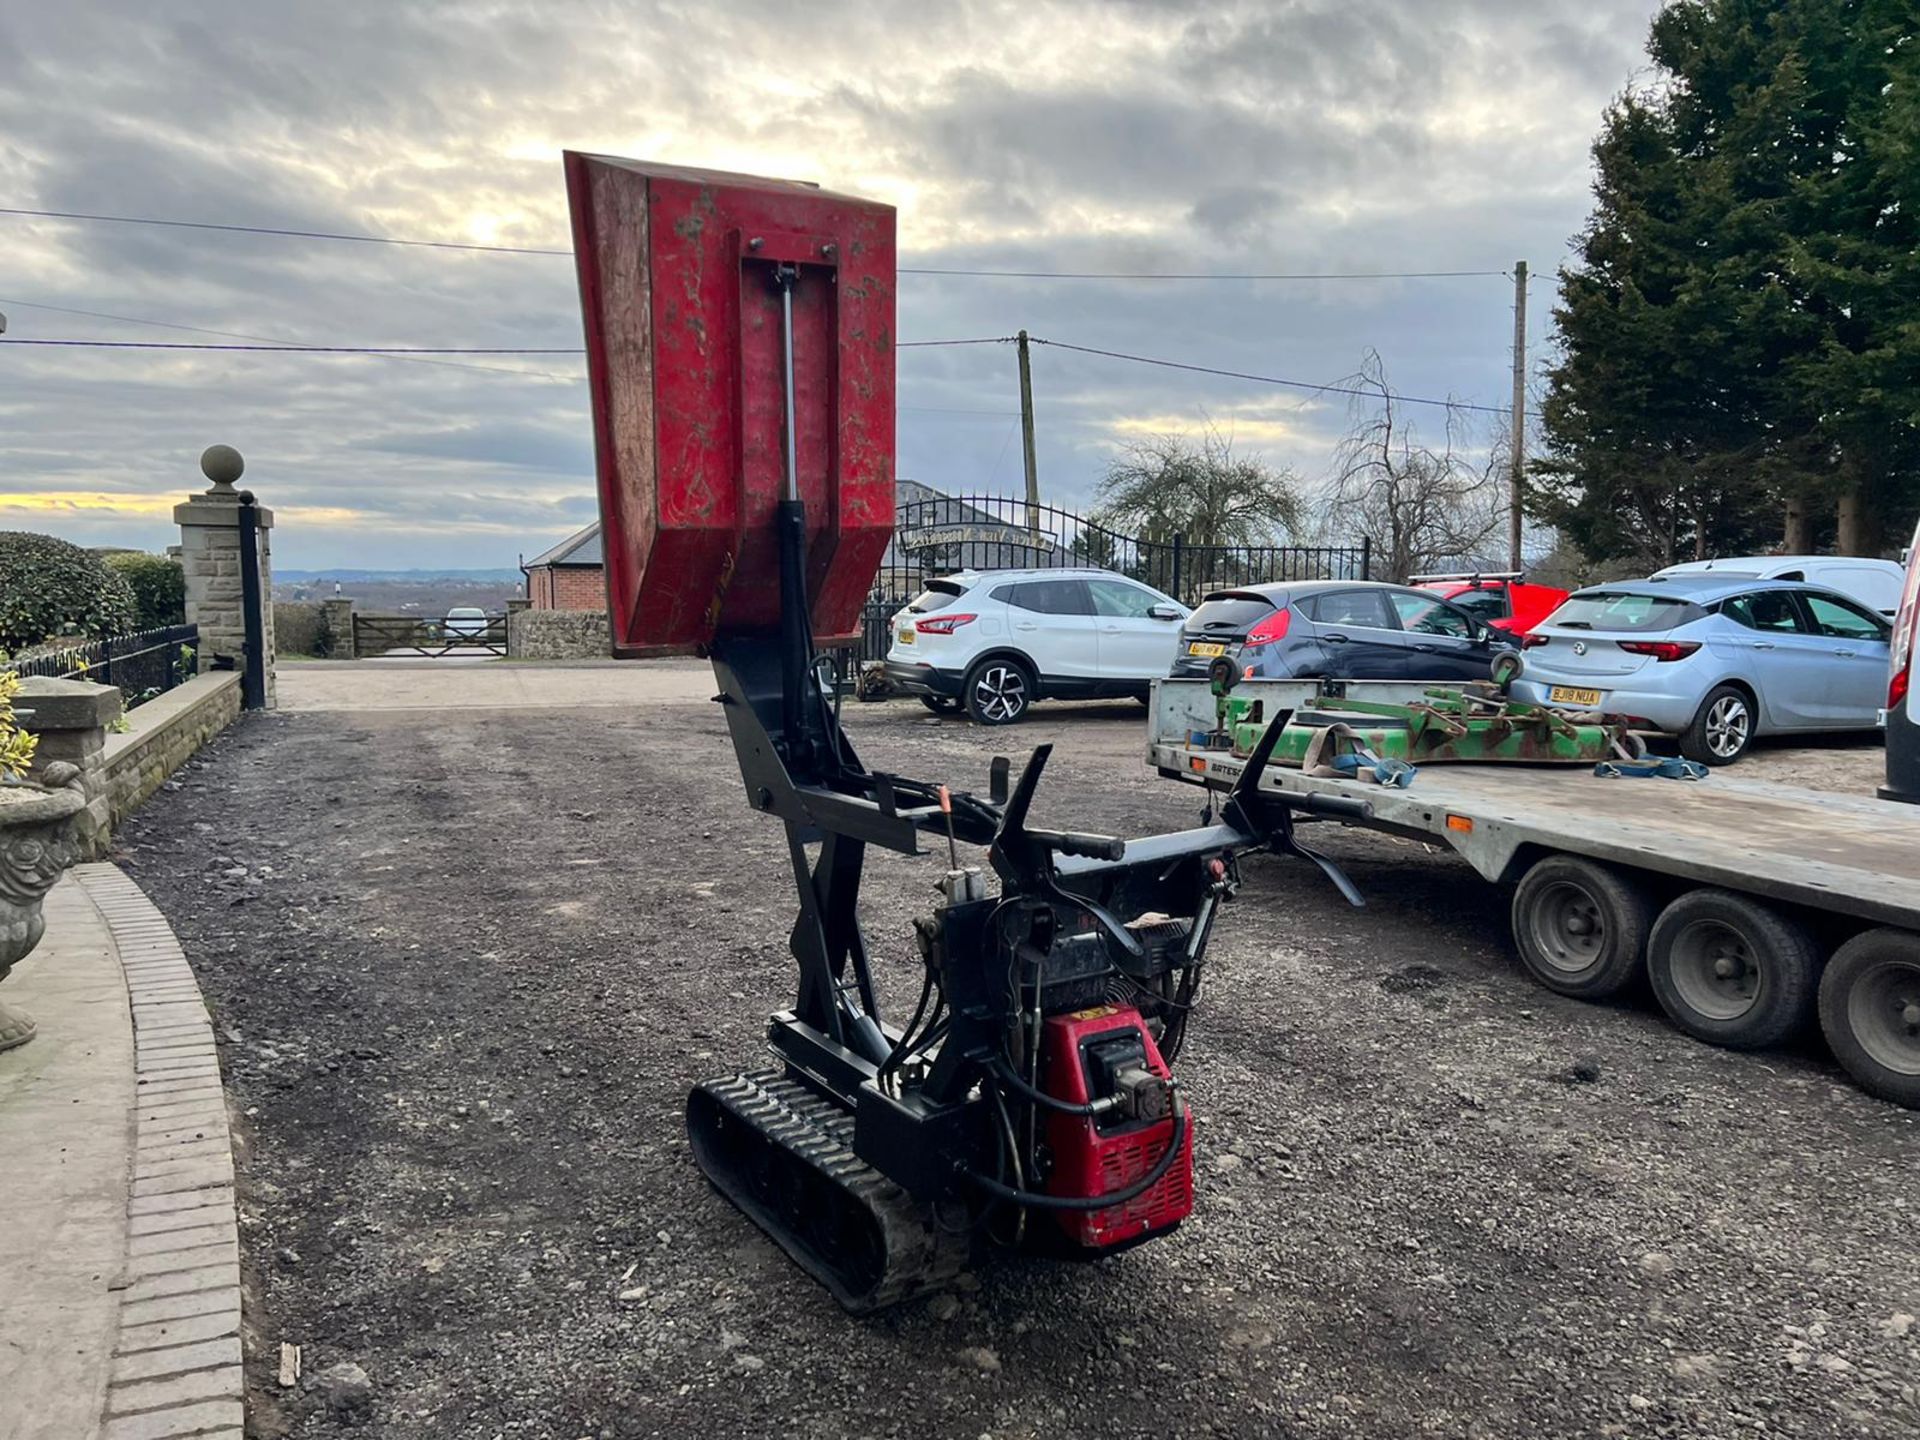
(339, 613)
(210, 558)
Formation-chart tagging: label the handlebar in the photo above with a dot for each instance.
(1344, 806)
(1068, 842)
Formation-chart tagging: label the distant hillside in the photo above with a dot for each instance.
(400, 577)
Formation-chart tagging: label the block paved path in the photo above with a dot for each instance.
(119, 1252)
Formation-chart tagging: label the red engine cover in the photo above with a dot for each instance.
(685, 358)
(1089, 1161)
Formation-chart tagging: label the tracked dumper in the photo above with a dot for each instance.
(740, 339)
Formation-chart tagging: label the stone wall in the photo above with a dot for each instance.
(300, 627)
(163, 734)
(559, 635)
(119, 771)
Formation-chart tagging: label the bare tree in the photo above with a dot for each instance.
(1423, 508)
(1172, 484)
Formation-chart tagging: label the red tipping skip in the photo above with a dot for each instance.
(685, 356)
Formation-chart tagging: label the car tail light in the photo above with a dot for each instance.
(1527, 642)
(942, 624)
(1906, 632)
(1273, 628)
(1661, 650)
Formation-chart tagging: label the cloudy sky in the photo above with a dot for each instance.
(1304, 136)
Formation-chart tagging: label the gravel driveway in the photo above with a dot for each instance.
(467, 964)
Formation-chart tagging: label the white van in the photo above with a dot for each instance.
(1903, 697)
(1874, 583)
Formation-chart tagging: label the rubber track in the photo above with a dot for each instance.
(807, 1131)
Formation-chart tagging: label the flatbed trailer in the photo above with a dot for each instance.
(1750, 906)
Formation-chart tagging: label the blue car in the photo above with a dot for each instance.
(1713, 659)
(1336, 629)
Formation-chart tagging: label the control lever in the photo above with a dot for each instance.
(1068, 842)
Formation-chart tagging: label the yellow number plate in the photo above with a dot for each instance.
(906, 636)
(1564, 695)
(1198, 648)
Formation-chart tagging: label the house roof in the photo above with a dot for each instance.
(583, 547)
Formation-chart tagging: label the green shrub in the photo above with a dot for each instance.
(49, 589)
(159, 587)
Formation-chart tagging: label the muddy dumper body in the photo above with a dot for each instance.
(740, 341)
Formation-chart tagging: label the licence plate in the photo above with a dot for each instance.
(906, 636)
(1566, 695)
(1205, 648)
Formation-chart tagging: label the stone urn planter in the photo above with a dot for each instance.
(37, 842)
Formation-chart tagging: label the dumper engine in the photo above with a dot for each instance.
(740, 337)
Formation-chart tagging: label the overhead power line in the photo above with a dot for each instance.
(1206, 274)
(304, 349)
(292, 349)
(268, 339)
(945, 271)
(424, 350)
(1271, 379)
(270, 230)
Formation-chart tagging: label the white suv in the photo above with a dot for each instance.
(996, 641)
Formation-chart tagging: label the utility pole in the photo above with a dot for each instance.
(1026, 436)
(1518, 440)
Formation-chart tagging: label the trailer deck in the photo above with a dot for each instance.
(1739, 899)
(1857, 856)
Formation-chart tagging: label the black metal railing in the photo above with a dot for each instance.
(143, 664)
(941, 534)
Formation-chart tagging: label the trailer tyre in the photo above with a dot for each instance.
(1870, 1013)
(1731, 971)
(1580, 926)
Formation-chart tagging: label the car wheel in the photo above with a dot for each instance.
(1723, 728)
(1731, 971)
(998, 691)
(1580, 927)
(940, 704)
(1870, 1013)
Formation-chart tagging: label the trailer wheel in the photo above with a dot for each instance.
(1731, 971)
(1870, 1013)
(1581, 927)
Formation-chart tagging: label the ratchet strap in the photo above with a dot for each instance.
(1355, 763)
(1652, 767)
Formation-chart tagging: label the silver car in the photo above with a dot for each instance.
(1713, 659)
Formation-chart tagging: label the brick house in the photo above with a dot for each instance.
(570, 576)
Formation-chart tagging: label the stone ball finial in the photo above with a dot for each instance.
(222, 465)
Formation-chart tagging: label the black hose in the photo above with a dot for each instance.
(899, 1052)
(1008, 1075)
(1089, 1202)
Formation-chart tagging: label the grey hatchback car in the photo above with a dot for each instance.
(1713, 659)
(1336, 629)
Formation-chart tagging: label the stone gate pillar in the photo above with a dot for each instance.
(210, 559)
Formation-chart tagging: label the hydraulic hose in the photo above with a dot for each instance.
(1007, 1075)
(1090, 1202)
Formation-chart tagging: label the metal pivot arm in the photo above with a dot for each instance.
(1271, 816)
